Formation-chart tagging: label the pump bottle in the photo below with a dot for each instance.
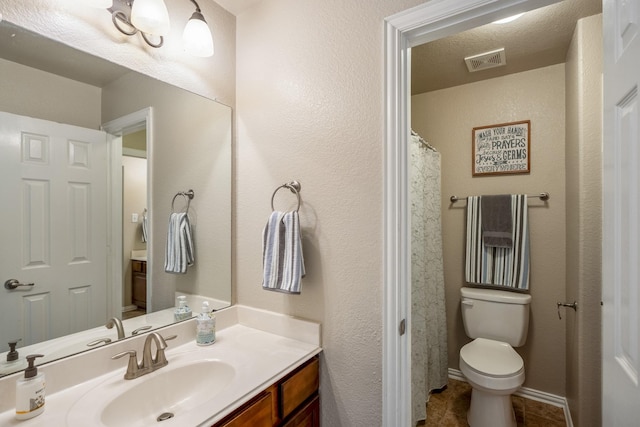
(30, 391)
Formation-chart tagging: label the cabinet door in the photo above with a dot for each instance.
(257, 414)
(307, 416)
(298, 387)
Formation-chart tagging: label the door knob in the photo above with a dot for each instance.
(12, 284)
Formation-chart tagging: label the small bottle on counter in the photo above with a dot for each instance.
(205, 326)
(30, 391)
(182, 311)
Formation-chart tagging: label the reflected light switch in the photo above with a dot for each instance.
(134, 217)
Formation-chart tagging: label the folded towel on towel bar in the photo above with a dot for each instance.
(282, 260)
(497, 226)
(179, 254)
(498, 266)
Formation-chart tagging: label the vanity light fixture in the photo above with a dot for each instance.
(151, 19)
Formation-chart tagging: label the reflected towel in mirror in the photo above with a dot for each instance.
(179, 254)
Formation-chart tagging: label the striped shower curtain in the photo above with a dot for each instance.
(428, 320)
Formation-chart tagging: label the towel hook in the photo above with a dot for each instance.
(188, 195)
(294, 187)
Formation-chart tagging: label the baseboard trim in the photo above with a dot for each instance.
(129, 308)
(529, 393)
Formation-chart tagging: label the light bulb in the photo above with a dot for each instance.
(150, 16)
(197, 37)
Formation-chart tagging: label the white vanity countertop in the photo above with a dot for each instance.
(262, 347)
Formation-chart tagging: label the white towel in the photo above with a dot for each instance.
(496, 266)
(179, 254)
(145, 225)
(282, 260)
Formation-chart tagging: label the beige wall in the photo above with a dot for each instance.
(445, 118)
(310, 107)
(34, 93)
(584, 178)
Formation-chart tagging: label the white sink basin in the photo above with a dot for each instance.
(168, 392)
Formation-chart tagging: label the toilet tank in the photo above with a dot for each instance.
(495, 314)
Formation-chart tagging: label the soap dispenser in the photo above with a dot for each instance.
(12, 355)
(30, 391)
(205, 326)
(182, 311)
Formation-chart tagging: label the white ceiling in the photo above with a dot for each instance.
(538, 39)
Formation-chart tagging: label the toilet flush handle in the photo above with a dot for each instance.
(573, 305)
(468, 302)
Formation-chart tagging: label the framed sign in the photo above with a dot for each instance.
(502, 149)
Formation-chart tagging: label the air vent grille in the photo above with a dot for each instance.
(483, 61)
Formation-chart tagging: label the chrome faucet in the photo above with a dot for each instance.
(149, 363)
(114, 321)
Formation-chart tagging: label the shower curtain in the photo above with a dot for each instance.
(429, 330)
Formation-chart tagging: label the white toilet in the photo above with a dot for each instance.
(497, 321)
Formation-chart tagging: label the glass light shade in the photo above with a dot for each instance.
(197, 37)
(150, 16)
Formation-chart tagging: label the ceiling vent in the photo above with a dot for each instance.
(483, 61)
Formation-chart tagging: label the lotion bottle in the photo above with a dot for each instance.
(205, 326)
(30, 391)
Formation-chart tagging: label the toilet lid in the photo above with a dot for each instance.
(494, 358)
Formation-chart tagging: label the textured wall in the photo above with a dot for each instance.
(584, 200)
(446, 118)
(310, 107)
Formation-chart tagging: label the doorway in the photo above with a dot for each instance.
(134, 213)
(422, 24)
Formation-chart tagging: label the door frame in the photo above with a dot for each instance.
(424, 23)
(141, 119)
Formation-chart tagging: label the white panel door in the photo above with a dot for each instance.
(53, 228)
(621, 214)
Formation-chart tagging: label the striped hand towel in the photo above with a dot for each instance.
(282, 260)
(498, 266)
(179, 254)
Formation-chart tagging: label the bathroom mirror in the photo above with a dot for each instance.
(186, 146)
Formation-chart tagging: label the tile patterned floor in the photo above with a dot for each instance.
(449, 409)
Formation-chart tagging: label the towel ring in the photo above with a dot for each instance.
(188, 195)
(294, 187)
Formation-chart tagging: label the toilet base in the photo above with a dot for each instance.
(490, 410)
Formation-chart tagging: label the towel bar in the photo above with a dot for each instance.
(541, 196)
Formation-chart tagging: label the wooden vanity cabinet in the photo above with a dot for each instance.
(291, 402)
(139, 282)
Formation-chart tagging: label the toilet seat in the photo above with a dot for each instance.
(491, 358)
(492, 366)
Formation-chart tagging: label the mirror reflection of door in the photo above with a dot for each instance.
(134, 223)
(54, 228)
